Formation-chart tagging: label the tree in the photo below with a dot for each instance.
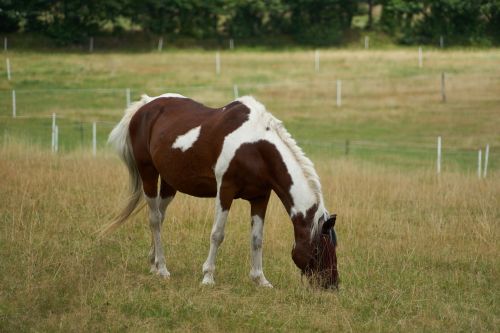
(423, 21)
(193, 18)
(254, 18)
(68, 21)
(9, 16)
(490, 10)
(320, 22)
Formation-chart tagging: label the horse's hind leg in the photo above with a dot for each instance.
(167, 194)
(157, 206)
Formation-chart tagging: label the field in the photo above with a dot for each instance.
(391, 109)
(418, 251)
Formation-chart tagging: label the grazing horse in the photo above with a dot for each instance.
(237, 151)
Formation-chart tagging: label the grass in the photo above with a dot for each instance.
(416, 253)
(387, 99)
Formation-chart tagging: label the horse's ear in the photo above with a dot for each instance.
(329, 224)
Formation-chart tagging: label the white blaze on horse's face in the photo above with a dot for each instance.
(186, 140)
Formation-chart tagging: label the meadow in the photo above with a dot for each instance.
(418, 251)
(391, 109)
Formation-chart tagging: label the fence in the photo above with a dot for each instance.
(92, 136)
(28, 113)
(61, 133)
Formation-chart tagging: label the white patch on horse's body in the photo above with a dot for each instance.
(306, 189)
(250, 131)
(186, 140)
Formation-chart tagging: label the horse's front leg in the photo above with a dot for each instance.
(258, 211)
(222, 205)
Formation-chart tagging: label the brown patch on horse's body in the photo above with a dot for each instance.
(156, 126)
(261, 174)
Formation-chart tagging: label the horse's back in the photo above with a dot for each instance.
(182, 139)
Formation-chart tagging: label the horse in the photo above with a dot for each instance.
(238, 151)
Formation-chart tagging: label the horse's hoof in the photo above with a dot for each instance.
(208, 281)
(162, 272)
(260, 280)
(266, 284)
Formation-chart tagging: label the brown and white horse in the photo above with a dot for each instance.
(238, 151)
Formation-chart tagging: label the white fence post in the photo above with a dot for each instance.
(94, 138)
(420, 57)
(8, 68)
(486, 156)
(127, 96)
(479, 169)
(231, 44)
(235, 90)
(439, 155)
(56, 139)
(339, 93)
(160, 44)
(217, 63)
(91, 44)
(14, 104)
(316, 60)
(53, 145)
(367, 42)
(441, 41)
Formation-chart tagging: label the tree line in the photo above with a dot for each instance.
(308, 22)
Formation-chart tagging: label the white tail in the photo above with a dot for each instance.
(120, 139)
(119, 135)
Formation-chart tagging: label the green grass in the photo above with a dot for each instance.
(387, 99)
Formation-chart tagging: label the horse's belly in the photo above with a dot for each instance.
(198, 187)
(192, 184)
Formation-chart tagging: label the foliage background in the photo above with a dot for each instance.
(303, 22)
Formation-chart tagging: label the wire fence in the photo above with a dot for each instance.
(91, 135)
(78, 135)
(85, 116)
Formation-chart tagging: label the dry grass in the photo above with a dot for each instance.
(416, 253)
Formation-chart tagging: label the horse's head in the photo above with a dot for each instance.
(318, 258)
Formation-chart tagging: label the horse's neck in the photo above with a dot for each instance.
(301, 201)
